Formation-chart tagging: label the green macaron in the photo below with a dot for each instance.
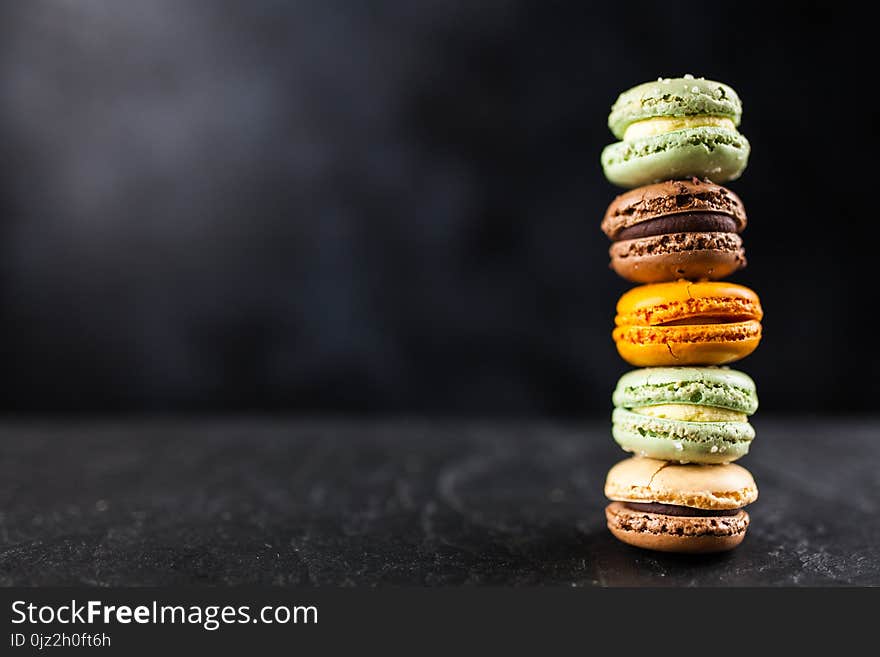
(675, 128)
(685, 414)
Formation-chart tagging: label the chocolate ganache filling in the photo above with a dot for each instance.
(673, 510)
(687, 222)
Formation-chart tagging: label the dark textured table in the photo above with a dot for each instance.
(404, 502)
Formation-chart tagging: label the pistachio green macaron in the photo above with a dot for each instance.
(685, 414)
(675, 128)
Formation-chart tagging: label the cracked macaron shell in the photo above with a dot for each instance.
(704, 152)
(674, 97)
(710, 487)
(715, 344)
(660, 303)
(680, 440)
(720, 387)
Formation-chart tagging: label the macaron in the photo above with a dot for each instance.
(663, 506)
(675, 128)
(676, 229)
(685, 414)
(687, 323)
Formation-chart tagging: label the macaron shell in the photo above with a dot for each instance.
(684, 535)
(708, 344)
(670, 257)
(680, 451)
(687, 96)
(671, 197)
(720, 387)
(680, 441)
(638, 479)
(678, 429)
(660, 303)
(715, 153)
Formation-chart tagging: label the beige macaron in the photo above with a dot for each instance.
(708, 490)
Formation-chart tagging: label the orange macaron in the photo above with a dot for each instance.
(687, 323)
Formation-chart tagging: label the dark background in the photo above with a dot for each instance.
(394, 206)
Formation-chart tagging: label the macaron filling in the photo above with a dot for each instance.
(680, 511)
(706, 319)
(659, 125)
(687, 222)
(691, 413)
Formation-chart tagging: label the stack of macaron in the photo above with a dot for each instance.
(683, 414)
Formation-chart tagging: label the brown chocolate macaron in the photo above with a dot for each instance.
(676, 229)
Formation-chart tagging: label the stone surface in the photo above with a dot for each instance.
(404, 502)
